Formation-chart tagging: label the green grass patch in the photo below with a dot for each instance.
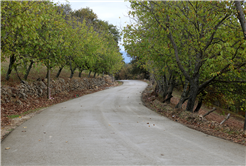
(120, 83)
(25, 113)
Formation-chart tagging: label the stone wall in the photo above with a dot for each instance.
(39, 88)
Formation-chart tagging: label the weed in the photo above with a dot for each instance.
(13, 116)
(25, 113)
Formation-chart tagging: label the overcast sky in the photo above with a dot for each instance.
(113, 11)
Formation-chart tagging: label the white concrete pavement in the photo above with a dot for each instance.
(112, 127)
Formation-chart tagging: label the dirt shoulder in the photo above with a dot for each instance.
(231, 130)
(11, 119)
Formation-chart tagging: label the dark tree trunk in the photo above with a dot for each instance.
(166, 85)
(80, 72)
(199, 105)
(72, 72)
(28, 70)
(89, 74)
(184, 95)
(194, 89)
(95, 75)
(59, 72)
(170, 90)
(11, 62)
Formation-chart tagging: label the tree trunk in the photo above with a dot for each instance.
(89, 74)
(18, 74)
(170, 90)
(48, 81)
(59, 72)
(241, 17)
(199, 105)
(11, 62)
(184, 95)
(80, 72)
(72, 72)
(194, 88)
(95, 75)
(28, 70)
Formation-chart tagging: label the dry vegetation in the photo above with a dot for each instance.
(231, 130)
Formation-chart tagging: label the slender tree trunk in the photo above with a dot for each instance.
(11, 62)
(59, 72)
(184, 95)
(48, 72)
(18, 74)
(89, 74)
(72, 72)
(80, 72)
(48, 81)
(95, 75)
(28, 70)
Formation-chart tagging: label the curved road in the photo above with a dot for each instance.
(112, 127)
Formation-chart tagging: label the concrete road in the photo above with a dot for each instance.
(112, 127)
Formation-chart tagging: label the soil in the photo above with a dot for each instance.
(231, 130)
(33, 106)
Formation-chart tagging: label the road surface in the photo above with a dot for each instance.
(112, 127)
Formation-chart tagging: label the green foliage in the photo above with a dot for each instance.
(197, 41)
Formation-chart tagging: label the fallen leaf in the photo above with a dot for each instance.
(162, 154)
(153, 124)
(7, 148)
(25, 127)
(147, 123)
(66, 141)
(24, 131)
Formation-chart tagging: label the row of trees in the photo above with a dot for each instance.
(200, 45)
(49, 34)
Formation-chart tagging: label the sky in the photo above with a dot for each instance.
(113, 11)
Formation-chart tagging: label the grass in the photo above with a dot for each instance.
(120, 83)
(25, 113)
